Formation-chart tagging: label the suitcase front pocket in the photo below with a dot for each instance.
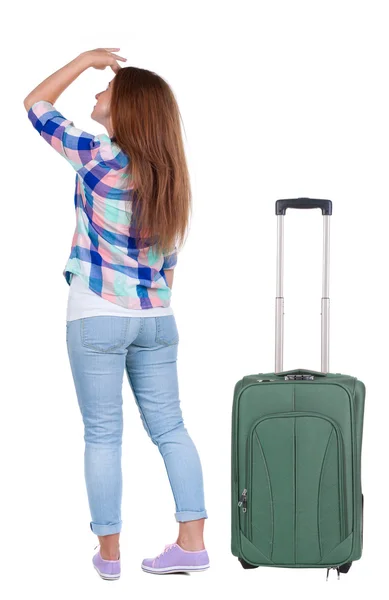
(296, 510)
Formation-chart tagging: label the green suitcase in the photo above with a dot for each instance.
(296, 497)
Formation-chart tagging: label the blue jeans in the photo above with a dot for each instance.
(100, 349)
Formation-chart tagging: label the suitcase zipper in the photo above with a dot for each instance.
(243, 500)
(243, 503)
(329, 569)
(248, 528)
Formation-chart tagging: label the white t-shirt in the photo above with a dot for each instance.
(84, 302)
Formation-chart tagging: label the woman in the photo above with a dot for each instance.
(132, 204)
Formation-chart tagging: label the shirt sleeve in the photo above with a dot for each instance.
(76, 145)
(170, 260)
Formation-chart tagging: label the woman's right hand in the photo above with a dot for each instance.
(100, 58)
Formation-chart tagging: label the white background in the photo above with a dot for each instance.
(278, 100)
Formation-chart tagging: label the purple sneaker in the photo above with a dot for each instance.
(107, 569)
(173, 559)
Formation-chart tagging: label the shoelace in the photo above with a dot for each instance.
(166, 549)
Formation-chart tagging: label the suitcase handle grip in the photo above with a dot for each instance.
(325, 205)
(302, 372)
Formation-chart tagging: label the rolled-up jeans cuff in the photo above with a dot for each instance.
(106, 529)
(190, 515)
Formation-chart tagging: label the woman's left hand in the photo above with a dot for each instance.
(103, 57)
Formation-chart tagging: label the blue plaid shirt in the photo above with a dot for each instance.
(103, 252)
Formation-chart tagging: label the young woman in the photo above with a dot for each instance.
(132, 203)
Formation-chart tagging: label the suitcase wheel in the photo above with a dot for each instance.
(345, 568)
(247, 565)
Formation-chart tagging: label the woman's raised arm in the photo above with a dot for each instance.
(53, 86)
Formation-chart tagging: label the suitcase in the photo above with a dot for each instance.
(296, 450)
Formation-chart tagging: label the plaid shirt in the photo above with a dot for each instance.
(103, 253)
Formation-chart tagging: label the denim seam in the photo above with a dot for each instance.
(140, 408)
(191, 511)
(170, 481)
(141, 325)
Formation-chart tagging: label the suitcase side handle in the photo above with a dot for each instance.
(304, 203)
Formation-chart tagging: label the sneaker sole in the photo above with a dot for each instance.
(163, 570)
(105, 575)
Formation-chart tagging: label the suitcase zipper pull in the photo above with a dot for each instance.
(243, 500)
(328, 570)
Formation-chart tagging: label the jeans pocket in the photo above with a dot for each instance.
(166, 330)
(104, 333)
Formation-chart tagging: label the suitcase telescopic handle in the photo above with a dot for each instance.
(305, 203)
(326, 208)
